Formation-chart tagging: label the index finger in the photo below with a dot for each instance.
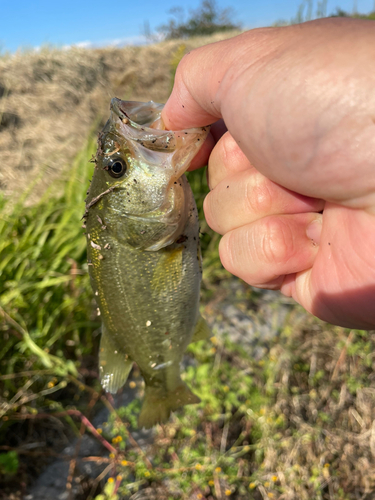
(195, 100)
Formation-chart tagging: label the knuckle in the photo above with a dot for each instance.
(226, 252)
(185, 63)
(213, 213)
(213, 168)
(276, 241)
(232, 155)
(220, 160)
(228, 147)
(207, 210)
(181, 70)
(258, 197)
(184, 60)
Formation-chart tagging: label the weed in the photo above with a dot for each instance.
(273, 428)
(295, 424)
(46, 314)
(9, 463)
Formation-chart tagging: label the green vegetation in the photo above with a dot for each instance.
(9, 463)
(307, 11)
(356, 15)
(295, 423)
(47, 319)
(272, 426)
(207, 19)
(44, 293)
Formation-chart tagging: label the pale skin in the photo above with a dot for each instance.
(292, 176)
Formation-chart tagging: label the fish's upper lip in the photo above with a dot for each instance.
(136, 114)
(115, 107)
(136, 119)
(132, 115)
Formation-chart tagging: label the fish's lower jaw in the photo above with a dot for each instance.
(158, 404)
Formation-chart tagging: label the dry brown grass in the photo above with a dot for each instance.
(323, 381)
(49, 101)
(316, 438)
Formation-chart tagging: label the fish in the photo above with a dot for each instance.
(144, 256)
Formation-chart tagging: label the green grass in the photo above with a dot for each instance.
(264, 429)
(203, 444)
(46, 309)
(295, 425)
(271, 427)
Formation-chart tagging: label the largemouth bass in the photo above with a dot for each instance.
(143, 254)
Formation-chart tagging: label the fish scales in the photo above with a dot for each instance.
(143, 250)
(128, 290)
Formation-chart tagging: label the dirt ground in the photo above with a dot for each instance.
(51, 100)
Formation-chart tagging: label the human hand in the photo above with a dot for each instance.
(293, 179)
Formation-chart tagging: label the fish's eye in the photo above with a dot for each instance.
(116, 167)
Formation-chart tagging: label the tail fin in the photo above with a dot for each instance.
(158, 404)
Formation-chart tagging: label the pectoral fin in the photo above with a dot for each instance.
(202, 330)
(114, 364)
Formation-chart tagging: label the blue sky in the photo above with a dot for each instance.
(27, 24)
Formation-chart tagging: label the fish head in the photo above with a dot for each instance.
(138, 178)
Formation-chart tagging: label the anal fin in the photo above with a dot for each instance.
(114, 364)
(202, 330)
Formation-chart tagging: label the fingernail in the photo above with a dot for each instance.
(314, 230)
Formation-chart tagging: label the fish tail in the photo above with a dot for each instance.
(159, 403)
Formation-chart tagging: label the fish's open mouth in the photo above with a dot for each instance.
(138, 113)
(139, 123)
(136, 123)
